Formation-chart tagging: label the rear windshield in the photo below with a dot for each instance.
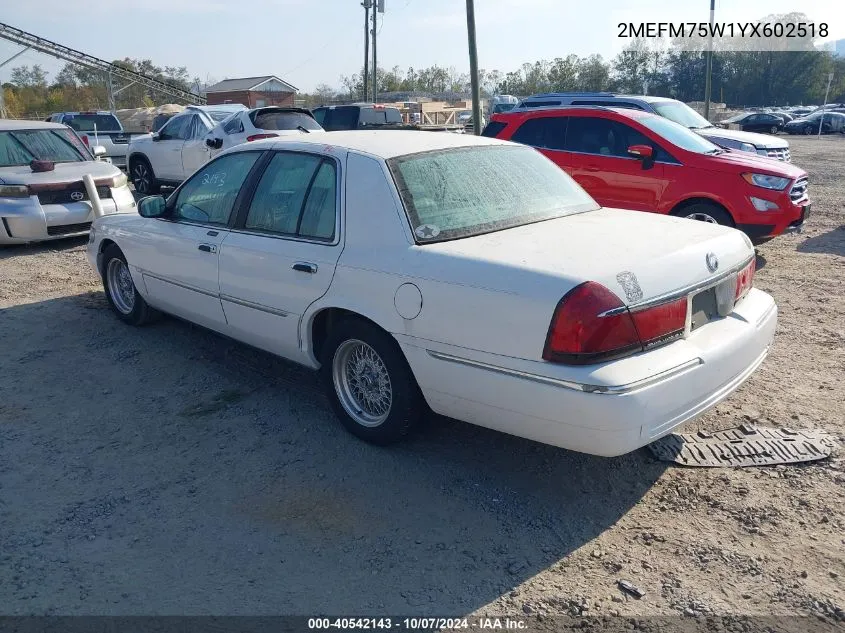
(455, 193)
(23, 146)
(87, 122)
(284, 121)
(333, 119)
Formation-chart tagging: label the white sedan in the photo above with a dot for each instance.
(257, 124)
(463, 274)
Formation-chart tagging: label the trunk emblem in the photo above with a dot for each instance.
(77, 196)
(712, 262)
(630, 285)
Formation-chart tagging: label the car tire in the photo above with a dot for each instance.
(807, 130)
(143, 177)
(774, 129)
(705, 212)
(121, 294)
(369, 383)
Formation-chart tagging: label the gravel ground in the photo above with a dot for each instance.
(167, 470)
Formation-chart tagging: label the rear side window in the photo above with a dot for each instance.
(296, 196)
(493, 128)
(87, 122)
(542, 132)
(234, 125)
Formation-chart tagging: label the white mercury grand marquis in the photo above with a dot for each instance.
(465, 274)
(42, 194)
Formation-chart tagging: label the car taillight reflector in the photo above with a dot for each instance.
(661, 322)
(591, 324)
(745, 279)
(258, 137)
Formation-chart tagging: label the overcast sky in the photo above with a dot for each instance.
(308, 42)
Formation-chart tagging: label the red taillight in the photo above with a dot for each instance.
(661, 322)
(591, 324)
(258, 137)
(85, 140)
(745, 279)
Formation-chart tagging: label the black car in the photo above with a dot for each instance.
(767, 122)
(833, 122)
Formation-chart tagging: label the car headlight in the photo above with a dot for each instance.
(14, 191)
(767, 182)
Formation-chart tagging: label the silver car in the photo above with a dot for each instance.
(42, 192)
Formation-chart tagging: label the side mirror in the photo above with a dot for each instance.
(214, 143)
(152, 207)
(645, 153)
(98, 150)
(156, 136)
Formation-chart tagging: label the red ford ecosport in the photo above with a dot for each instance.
(637, 160)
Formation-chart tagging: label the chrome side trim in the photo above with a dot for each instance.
(612, 390)
(181, 285)
(680, 293)
(255, 306)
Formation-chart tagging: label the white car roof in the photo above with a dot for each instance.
(389, 143)
(15, 124)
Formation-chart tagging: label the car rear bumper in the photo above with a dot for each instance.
(26, 220)
(608, 409)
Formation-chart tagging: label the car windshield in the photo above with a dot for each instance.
(503, 107)
(219, 115)
(284, 121)
(461, 192)
(23, 146)
(87, 122)
(679, 135)
(681, 113)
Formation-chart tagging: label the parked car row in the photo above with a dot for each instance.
(370, 256)
(98, 128)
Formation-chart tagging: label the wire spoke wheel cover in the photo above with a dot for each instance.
(362, 383)
(121, 287)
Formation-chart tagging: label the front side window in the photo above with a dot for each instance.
(461, 192)
(593, 135)
(176, 129)
(21, 147)
(296, 196)
(208, 197)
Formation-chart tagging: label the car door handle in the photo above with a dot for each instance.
(208, 248)
(305, 267)
(592, 168)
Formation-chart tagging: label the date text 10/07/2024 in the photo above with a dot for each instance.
(418, 624)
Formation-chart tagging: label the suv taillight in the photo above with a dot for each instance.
(745, 279)
(258, 137)
(592, 325)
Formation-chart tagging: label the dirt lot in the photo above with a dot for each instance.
(167, 470)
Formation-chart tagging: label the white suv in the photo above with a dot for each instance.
(177, 150)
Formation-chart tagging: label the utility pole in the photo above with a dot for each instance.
(366, 4)
(708, 87)
(473, 69)
(826, 94)
(378, 8)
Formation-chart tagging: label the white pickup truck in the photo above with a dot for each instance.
(98, 128)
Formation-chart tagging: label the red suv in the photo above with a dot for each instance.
(637, 160)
